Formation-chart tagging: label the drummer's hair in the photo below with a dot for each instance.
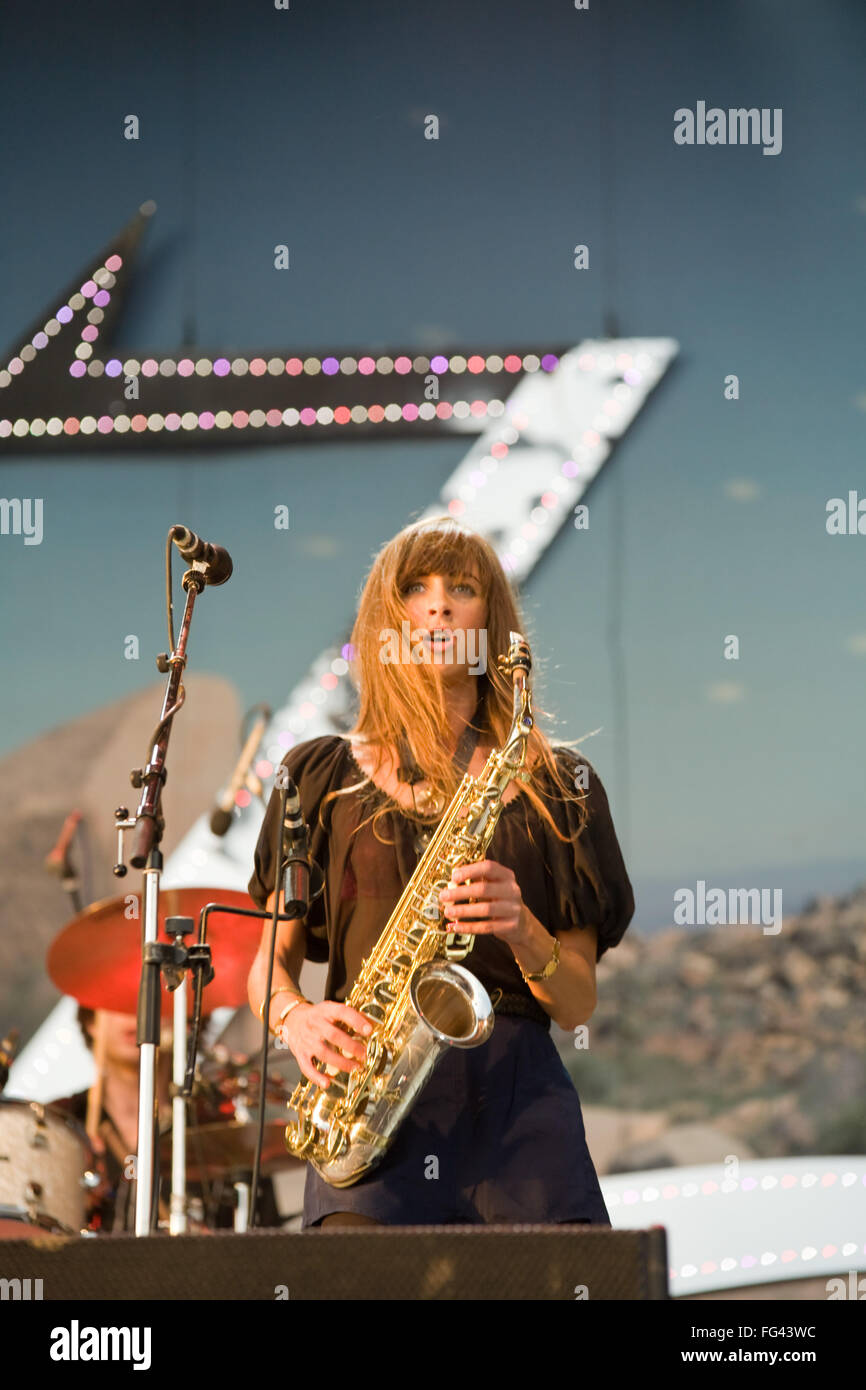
(85, 1019)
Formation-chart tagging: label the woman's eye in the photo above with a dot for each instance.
(419, 584)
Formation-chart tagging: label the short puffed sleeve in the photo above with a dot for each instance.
(588, 884)
(314, 767)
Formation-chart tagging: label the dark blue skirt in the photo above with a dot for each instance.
(496, 1136)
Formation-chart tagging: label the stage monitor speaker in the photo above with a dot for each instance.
(395, 1262)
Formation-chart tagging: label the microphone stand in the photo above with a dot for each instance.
(149, 824)
(292, 874)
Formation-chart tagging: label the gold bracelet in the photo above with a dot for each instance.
(281, 989)
(286, 1011)
(548, 970)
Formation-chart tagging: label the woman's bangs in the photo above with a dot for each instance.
(443, 552)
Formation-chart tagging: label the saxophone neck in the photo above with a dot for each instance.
(519, 663)
(510, 757)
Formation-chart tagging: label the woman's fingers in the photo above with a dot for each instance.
(322, 1043)
(306, 1026)
(484, 869)
(319, 1077)
(486, 880)
(324, 1056)
(482, 898)
(346, 1014)
(329, 1056)
(482, 908)
(492, 928)
(347, 1045)
(318, 1044)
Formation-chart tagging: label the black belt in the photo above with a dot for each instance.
(520, 1006)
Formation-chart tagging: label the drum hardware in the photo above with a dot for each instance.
(242, 1210)
(8, 1052)
(222, 1138)
(32, 1198)
(38, 1139)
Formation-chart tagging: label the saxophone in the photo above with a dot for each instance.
(418, 998)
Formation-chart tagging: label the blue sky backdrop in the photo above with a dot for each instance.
(306, 127)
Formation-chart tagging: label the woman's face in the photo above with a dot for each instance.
(447, 615)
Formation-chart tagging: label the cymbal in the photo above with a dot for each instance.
(215, 1149)
(97, 956)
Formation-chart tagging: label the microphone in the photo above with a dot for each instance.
(296, 856)
(221, 817)
(8, 1049)
(57, 862)
(192, 547)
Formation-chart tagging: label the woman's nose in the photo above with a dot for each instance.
(439, 599)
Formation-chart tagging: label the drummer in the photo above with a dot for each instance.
(114, 1130)
(115, 1134)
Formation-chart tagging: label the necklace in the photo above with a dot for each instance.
(408, 771)
(411, 773)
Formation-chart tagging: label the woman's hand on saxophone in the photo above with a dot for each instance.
(485, 898)
(320, 1031)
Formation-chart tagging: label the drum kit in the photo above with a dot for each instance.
(47, 1169)
(52, 1173)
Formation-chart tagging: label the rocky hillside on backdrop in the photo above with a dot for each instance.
(84, 765)
(727, 1029)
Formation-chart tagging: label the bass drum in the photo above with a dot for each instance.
(47, 1167)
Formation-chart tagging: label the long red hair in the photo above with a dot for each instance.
(406, 698)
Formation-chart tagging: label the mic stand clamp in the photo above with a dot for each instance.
(175, 960)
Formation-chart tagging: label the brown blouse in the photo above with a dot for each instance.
(564, 885)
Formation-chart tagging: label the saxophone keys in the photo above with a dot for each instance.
(458, 945)
(336, 1142)
(299, 1137)
(354, 1087)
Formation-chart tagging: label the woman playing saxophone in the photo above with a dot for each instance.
(497, 1134)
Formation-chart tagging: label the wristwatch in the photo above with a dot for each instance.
(548, 969)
